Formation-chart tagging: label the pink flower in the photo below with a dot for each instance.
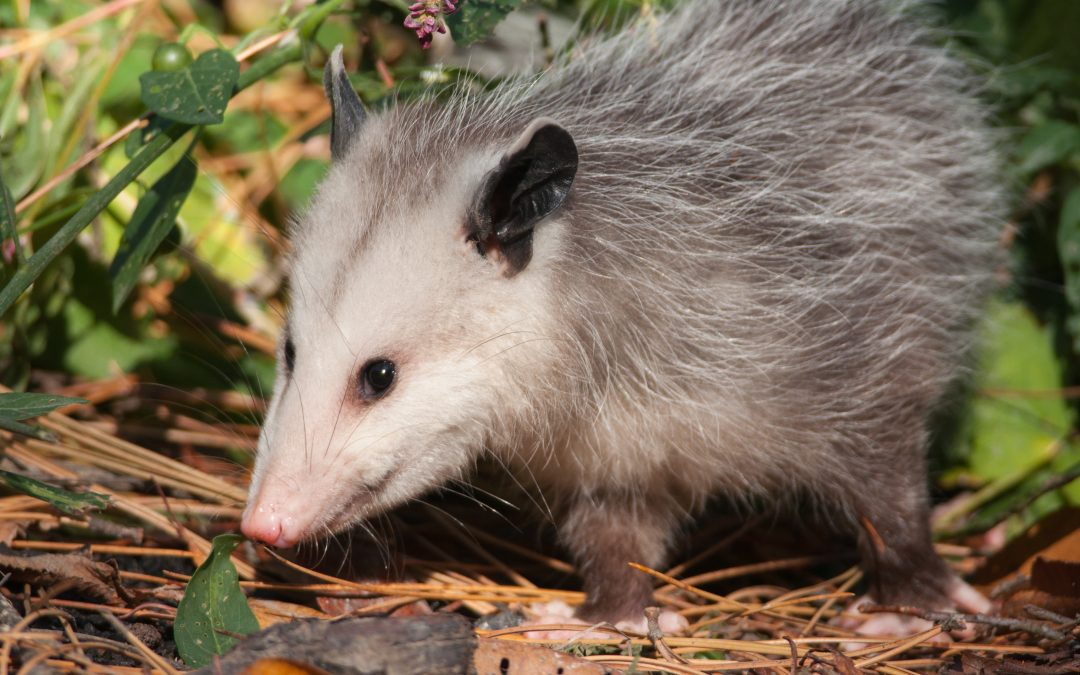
(426, 18)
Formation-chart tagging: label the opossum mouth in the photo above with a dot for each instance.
(365, 497)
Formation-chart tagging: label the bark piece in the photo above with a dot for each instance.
(434, 645)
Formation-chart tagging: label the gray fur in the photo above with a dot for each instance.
(781, 230)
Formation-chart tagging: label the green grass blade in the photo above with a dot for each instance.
(154, 217)
(23, 405)
(71, 503)
(7, 221)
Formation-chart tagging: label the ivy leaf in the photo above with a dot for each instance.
(475, 19)
(213, 608)
(196, 94)
(72, 503)
(151, 222)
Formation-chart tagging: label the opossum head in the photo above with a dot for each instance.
(420, 315)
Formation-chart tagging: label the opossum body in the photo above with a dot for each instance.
(734, 252)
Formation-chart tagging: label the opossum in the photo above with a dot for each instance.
(734, 251)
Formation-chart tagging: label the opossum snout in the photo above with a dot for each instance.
(272, 524)
(277, 518)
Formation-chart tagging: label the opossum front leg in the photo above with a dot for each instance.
(606, 530)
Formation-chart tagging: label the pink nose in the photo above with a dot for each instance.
(266, 523)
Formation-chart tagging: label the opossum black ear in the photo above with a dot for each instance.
(347, 112)
(532, 180)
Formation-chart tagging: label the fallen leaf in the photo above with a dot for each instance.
(270, 612)
(77, 570)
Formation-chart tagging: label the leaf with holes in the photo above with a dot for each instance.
(476, 19)
(150, 224)
(214, 608)
(196, 94)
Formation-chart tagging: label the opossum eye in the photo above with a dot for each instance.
(377, 377)
(290, 355)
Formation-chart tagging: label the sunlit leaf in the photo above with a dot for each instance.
(475, 19)
(1018, 419)
(196, 94)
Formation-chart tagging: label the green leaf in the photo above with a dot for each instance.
(476, 19)
(1018, 422)
(27, 160)
(1068, 239)
(17, 405)
(72, 503)
(1047, 144)
(152, 220)
(8, 231)
(212, 602)
(196, 94)
(27, 430)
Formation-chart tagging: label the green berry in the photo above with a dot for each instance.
(170, 57)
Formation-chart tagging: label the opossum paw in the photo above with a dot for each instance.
(961, 597)
(670, 623)
(965, 598)
(558, 612)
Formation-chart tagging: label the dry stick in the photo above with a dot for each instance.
(147, 459)
(656, 636)
(35, 452)
(206, 439)
(31, 617)
(722, 666)
(42, 38)
(104, 549)
(682, 585)
(900, 648)
(88, 157)
(647, 663)
(776, 604)
(494, 593)
(757, 568)
(851, 581)
(148, 653)
(118, 465)
(948, 618)
(199, 546)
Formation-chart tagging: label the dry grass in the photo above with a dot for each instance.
(164, 510)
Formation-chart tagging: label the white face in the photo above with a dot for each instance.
(405, 352)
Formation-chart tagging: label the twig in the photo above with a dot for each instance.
(656, 636)
(953, 620)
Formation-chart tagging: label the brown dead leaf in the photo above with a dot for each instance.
(1055, 537)
(270, 612)
(1056, 577)
(77, 571)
